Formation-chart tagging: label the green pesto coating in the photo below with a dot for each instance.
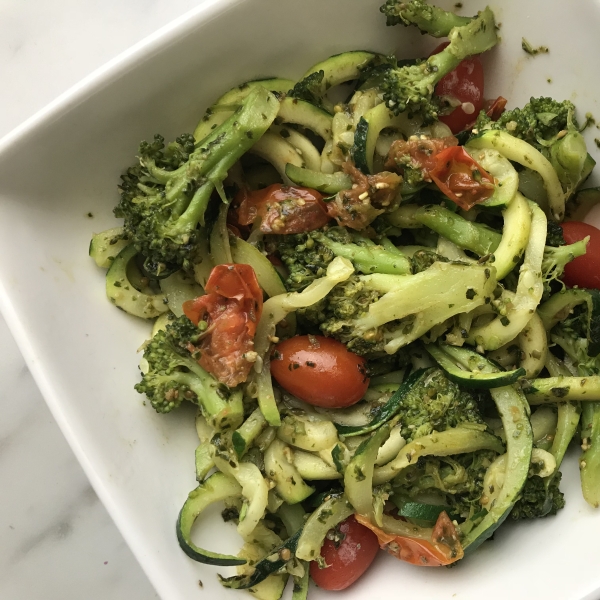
(411, 87)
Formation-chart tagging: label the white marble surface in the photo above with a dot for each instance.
(58, 542)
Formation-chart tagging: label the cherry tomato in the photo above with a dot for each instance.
(465, 85)
(346, 559)
(584, 271)
(283, 209)
(461, 178)
(231, 309)
(418, 153)
(320, 371)
(442, 548)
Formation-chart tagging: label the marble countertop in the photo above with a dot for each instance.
(58, 541)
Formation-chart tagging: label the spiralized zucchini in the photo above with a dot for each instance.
(461, 323)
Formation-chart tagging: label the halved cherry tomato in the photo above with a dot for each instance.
(283, 209)
(419, 153)
(461, 178)
(348, 558)
(584, 271)
(465, 86)
(231, 308)
(320, 371)
(444, 548)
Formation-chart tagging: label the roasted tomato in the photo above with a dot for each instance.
(347, 556)
(282, 209)
(461, 178)
(418, 153)
(231, 309)
(320, 371)
(443, 548)
(462, 88)
(584, 271)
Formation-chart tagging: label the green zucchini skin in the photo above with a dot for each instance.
(217, 487)
(122, 293)
(387, 411)
(514, 412)
(343, 67)
(300, 112)
(328, 183)
(419, 510)
(468, 378)
(105, 246)
(274, 561)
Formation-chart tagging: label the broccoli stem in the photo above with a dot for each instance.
(556, 257)
(193, 214)
(404, 217)
(221, 413)
(369, 259)
(162, 220)
(467, 235)
(475, 37)
(589, 464)
(429, 19)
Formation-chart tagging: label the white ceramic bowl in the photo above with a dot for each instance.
(65, 163)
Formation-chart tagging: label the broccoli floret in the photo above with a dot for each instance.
(539, 122)
(538, 500)
(307, 255)
(164, 198)
(459, 479)
(171, 374)
(429, 19)
(410, 88)
(305, 259)
(549, 126)
(436, 405)
(335, 316)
